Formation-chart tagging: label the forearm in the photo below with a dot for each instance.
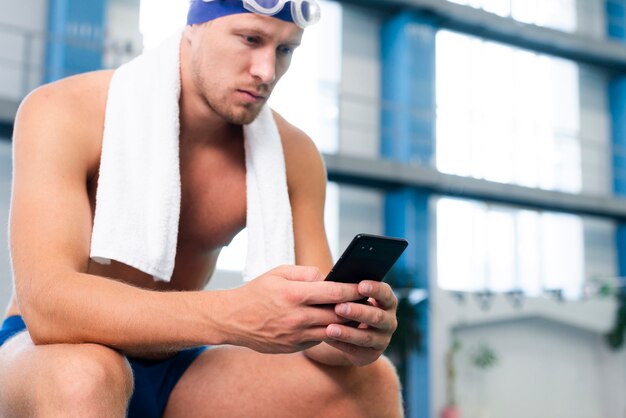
(82, 308)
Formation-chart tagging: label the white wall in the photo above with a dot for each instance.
(567, 357)
(534, 377)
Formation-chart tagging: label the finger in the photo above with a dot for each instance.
(323, 293)
(314, 334)
(379, 291)
(323, 316)
(370, 315)
(298, 273)
(367, 338)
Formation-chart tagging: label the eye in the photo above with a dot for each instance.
(251, 39)
(285, 50)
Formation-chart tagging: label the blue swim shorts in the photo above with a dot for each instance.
(154, 379)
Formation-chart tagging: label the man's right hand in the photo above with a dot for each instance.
(284, 310)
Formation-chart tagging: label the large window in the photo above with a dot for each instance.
(307, 96)
(507, 115)
(555, 14)
(500, 248)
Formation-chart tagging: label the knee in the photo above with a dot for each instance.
(92, 373)
(378, 389)
(381, 373)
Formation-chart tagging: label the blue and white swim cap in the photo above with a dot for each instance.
(301, 12)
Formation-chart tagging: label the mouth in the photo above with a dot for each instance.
(251, 97)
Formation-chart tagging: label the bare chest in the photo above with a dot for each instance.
(213, 197)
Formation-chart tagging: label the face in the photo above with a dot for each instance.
(237, 60)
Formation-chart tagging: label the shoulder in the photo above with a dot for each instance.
(67, 98)
(292, 137)
(303, 161)
(66, 114)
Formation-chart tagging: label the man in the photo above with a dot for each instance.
(101, 337)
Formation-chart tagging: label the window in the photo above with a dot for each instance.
(508, 115)
(555, 14)
(500, 248)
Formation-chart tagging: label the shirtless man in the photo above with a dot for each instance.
(101, 338)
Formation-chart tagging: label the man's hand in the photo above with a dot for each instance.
(365, 344)
(285, 310)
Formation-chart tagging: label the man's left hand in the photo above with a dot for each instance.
(365, 344)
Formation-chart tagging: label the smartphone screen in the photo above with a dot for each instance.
(368, 257)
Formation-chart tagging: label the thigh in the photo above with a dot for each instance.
(236, 382)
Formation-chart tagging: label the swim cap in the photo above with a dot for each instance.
(201, 11)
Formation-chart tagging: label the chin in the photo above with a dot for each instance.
(235, 113)
(245, 117)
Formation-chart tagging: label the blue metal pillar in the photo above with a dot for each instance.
(76, 37)
(616, 29)
(616, 19)
(408, 125)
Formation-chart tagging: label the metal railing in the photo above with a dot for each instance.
(23, 64)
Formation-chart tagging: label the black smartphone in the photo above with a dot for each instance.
(368, 257)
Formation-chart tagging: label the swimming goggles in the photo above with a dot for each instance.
(303, 12)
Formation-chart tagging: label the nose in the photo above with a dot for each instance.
(263, 66)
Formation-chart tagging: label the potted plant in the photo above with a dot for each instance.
(615, 337)
(484, 358)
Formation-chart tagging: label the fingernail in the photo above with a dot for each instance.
(367, 288)
(343, 309)
(335, 331)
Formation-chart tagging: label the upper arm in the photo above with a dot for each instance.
(50, 218)
(306, 180)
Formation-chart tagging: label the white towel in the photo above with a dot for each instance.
(138, 196)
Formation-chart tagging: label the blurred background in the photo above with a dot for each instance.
(489, 133)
